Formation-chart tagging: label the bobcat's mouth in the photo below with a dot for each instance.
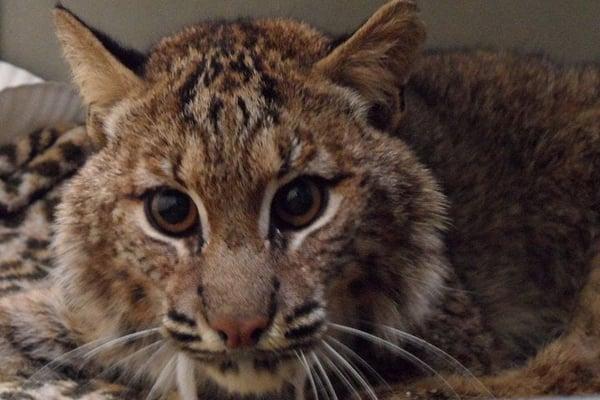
(263, 357)
(251, 373)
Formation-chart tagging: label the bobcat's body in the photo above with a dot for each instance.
(465, 210)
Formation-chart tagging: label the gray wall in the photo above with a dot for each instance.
(568, 30)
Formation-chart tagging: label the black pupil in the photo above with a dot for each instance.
(173, 206)
(297, 199)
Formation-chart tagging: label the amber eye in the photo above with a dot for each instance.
(298, 203)
(172, 212)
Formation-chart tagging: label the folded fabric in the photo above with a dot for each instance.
(28, 103)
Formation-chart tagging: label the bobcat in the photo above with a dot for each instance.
(262, 199)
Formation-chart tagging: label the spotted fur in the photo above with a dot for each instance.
(462, 207)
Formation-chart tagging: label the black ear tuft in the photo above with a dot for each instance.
(131, 58)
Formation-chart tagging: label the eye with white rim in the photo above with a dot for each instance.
(172, 212)
(299, 203)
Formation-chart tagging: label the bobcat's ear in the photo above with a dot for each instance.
(104, 72)
(377, 59)
(101, 77)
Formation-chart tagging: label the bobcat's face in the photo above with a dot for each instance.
(242, 201)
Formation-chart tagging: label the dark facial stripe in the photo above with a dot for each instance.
(181, 318)
(302, 310)
(305, 330)
(184, 337)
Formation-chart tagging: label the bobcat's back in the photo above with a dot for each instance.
(515, 142)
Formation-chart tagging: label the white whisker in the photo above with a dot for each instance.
(133, 355)
(324, 375)
(85, 347)
(360, 360)
(403, 352)
(306, 366)
(164, 382)
(138, 375)
(320, 383)
(342, 376)
(415, 340)
(115, 342)
(352, 371)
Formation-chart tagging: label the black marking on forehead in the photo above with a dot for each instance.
(215, 69)
(251, 33)
(214, 111)
(188, 91)
(239, 65)
(245, 114)
(269, 89)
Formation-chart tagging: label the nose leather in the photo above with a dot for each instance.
(240, 332)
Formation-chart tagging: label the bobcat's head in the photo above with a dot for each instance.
(247, 192)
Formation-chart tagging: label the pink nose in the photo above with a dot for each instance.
(240, 333)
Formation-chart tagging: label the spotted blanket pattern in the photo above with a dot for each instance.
(33, 169)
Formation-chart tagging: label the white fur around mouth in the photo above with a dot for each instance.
(244, 376)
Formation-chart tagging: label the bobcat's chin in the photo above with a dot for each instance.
(253, 375)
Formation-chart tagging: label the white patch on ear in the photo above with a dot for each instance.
(332, 206)
(357, 102)
(111, 122)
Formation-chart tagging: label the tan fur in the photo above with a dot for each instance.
(378, 58)
(462, 206)
(101, 78)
